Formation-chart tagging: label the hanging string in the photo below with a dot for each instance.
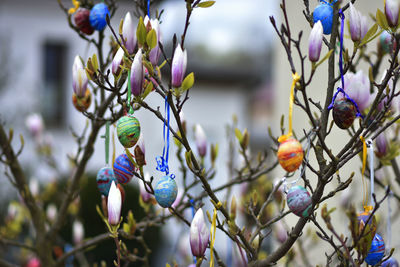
(303, 166)
(148, 8)
(367, 208)
(129, 93)
(296, 78)
(371, 170)
(162, 161)
(389, 223)
(340, 90)
(107, 141)
(212, 234)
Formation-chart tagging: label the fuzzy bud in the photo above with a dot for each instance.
(179, 64)
(201, 140)
(392, 8)
(315, 42)
(129, 33)
(199, 234)
(137, 74)
(79, 78)
(114, 203)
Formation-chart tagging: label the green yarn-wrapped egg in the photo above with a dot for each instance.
(128, 130)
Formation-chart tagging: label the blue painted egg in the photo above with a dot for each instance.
(98, 16)
(391, 262)
(123, 169)
(104, 179)
(324, 13)
(299, 201)
(376, 251)
(165, 191)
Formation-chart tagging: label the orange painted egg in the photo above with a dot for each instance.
(290, 154)
(82, 103)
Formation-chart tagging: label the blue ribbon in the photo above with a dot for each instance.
(326, 2)
(340, 90)
(148, 8)
(162, 161)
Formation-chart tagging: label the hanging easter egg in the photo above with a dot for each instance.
(98, 16)
(104, 179)
(391, 262)
(128, 130)
(123, 169)
(324, 13)
(386, 43)
(376, 251)
(82, 103)
(290, 154)
(299, 201)
(82, 21)
(165, 191)
(344, 113)
(362, 219)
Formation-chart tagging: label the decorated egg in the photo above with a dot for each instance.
(324, 13)
(82, 103)
(362, 219)
(386, 43)
(123, 169)
(82, 21)
(391, 262)
(98, 16)
(376, 251)
(344, 113)
(104, 179)
(165, 191)
(128, 130)
(290, 154)
(299, 201)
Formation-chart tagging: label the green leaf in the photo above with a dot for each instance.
(238, 134)
(381, 20)
(369, 36)
(324, 58)
(148, 89)
(188, 82)
(141, 32)
(151, 39)
(206, 4)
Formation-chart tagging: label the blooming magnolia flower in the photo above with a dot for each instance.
(381, 145)
(178, 69)
(199, 234)
(201, 140)
(79, 78)
(114, 203)
(78, 232)
(315, 42)
(117, 60)
(137, 73)
(358, 24)
(356, 85)
(129, 33)
(155, 53)
(34, 123)
(392, 8)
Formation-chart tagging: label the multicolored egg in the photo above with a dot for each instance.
(290, 154)
(299, 201)
(386, 44)
(376, 251)
(391, 262)
(82, 21)
(104, 179)
(344, 113)
(362, 219)
(98, 16)
(166, 191)
(82, 103)
(123, 169)
(324, 13)
(128, 130)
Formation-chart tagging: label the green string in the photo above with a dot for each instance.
(129, 92)
(107, 141)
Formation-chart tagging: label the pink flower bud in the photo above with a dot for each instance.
(392, 8)
(117, 60)
(129, 33)
(34, 123)
(280, 232)
(33, 262)
(34, 186)
(356, 85)
(199, 234)
(79, 78)
(143, 193)
(114, 203)
(51, 212)
(178, 69)
(315, 42)
(201, 140)
(358, 24)
(155, 53)
(78, 232)
(137, 74)
(381, 145)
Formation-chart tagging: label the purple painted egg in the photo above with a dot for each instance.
(299, 201)
(376, 251)
(104, 179)
(344, 113)
(123, 169)
(391, 262)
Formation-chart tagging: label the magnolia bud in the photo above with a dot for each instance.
(114, 203)
(34, 123)
(129, 33)
(137, 74)
(140, 151)
(201, 140)
(358, 24)
(357, 85)
(315, 42)
(392, 8)
(199, 234)
(51, 212)
(79, 78)
(155, 53)
(143, 193)
(117, 60)
(78, 232)
(381, 145)
(178, 69)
